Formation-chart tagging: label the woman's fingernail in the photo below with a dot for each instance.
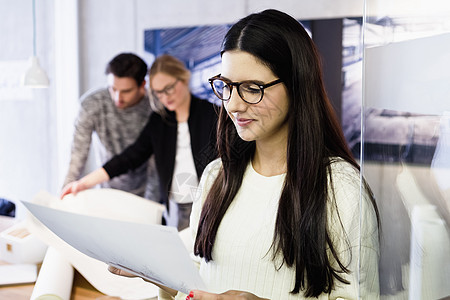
(191, 294)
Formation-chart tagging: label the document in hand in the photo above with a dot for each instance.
(153, 252)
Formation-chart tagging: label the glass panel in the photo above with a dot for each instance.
(406, 142)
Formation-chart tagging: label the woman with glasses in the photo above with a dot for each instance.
(181, 135)
(293, 189)
(284, 212)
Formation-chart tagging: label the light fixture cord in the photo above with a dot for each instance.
(34, 28)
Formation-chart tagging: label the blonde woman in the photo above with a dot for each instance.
(181, 135)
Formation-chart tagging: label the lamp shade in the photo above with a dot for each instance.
(35, 77)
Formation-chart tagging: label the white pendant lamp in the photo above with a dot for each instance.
(35, 76)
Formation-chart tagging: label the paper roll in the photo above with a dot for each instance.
(55, 278)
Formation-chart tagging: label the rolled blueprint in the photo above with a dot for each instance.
(55, 278)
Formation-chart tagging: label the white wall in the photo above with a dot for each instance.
(103, 34)
(27, 127)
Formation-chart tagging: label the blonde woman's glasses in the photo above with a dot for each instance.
(168, 90)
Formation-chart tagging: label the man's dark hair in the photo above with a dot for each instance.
(128, 65)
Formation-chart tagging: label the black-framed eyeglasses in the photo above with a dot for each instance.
(250, 91)
(168, 90)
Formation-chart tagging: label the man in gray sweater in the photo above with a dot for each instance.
(109, 120)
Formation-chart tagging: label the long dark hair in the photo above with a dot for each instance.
(315, 135)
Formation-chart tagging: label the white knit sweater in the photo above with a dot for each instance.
(242, 257)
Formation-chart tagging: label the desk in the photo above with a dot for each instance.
(81, 290)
